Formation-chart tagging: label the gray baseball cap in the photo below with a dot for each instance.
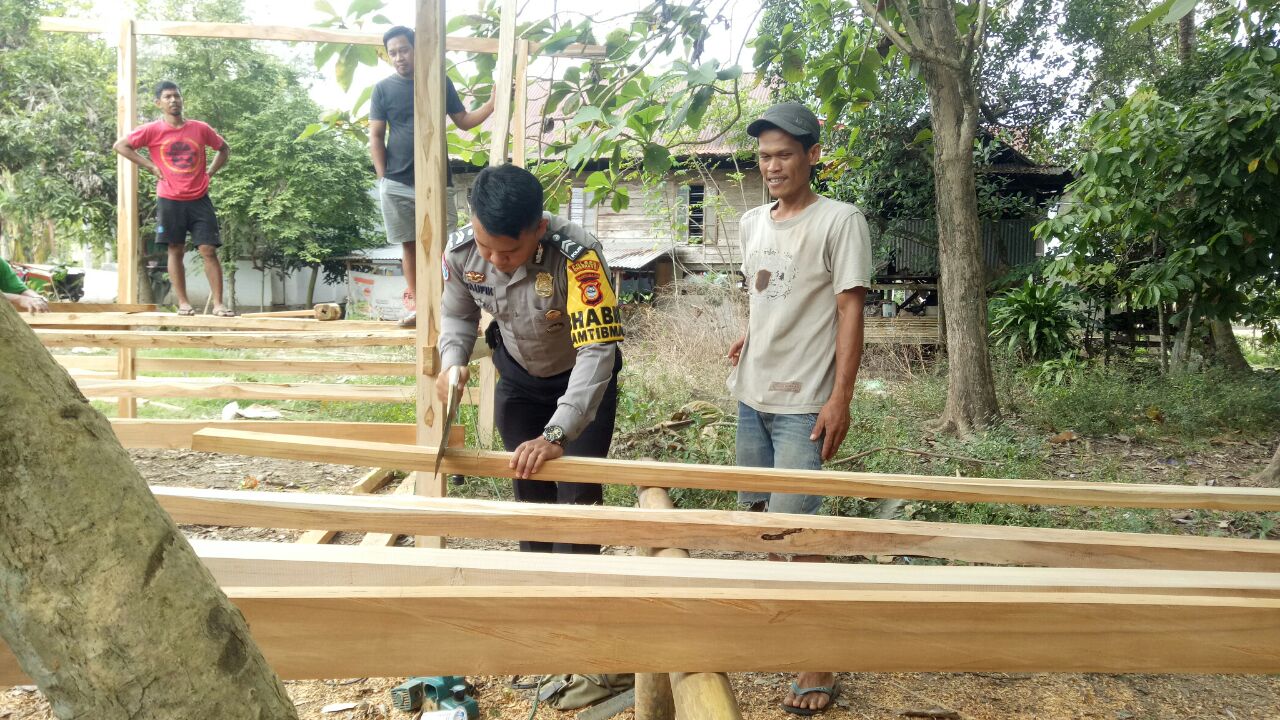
(790, 117)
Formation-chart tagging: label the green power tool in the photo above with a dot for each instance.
(435, 692)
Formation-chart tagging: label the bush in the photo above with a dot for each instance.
(1035, 320)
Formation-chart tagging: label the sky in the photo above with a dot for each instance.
(724, 45)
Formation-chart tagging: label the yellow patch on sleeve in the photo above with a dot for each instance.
(592, 303)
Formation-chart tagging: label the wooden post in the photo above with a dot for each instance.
(502, 84)
(430, 160)
(689, 696)
(519, 117)
(126, 198)
(503, 119)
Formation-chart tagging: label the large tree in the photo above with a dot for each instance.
(102, 600)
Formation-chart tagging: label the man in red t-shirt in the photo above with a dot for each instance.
(176, 155)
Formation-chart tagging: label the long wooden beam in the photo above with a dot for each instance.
(270, 366)
(232, 340)
(381, 632)
(177, 434)
(716, 530)
(267, 564)
(175, 388)
(715, 477)
(157, 319)
(78, 307)
(229, 31)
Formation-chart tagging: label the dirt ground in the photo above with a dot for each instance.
(969, 696)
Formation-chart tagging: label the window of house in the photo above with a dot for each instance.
(580, 209)
(696, 217)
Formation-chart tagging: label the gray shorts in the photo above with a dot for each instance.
(397, 200)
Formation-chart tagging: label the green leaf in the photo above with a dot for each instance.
(596, 180)
(657, 159)
(698, 107)
(360, 101)
(1178, 9)
(586, 115)
(346, 67)
(733, 72)
(364, 7)
(1253, 165)
(310, 130)
(621, 199)
(580, 150)
(324, 7)
(1145, 21)
(325, 53)
(922, 137)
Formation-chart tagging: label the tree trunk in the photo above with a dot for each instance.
(1226, 349)
(1270, 475)
(311, 286)
(1185, 339)
(145, 294)
(102, 600)
(971, 394)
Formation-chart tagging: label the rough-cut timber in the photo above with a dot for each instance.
(101, 597)
(388, 632)
(716, 529)
(715, 477)
(239, 366)
(177, 434)
(259, 564)
(226, 340)
(157, 319)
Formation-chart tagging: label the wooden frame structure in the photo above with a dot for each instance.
(1105, 602)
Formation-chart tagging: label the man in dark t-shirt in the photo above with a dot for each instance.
(391, 146)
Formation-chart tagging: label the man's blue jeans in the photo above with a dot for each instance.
(776, 440)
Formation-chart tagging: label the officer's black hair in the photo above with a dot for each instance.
(395, 32)
(165, 85)
(506, 200)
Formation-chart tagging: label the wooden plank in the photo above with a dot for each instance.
(381, 632)
(373, 480)
(177, 434)
(316, 537)
(280, 314)
(379, 539)
(519, 132)
(431, 160)
(268, 564)
(229, 366)
(228, 31)
(79, 307)
(240, 322)
(717, 530)
(479, 463)
(501, 136)
(126, 198)
(216, 389)
(231, 340)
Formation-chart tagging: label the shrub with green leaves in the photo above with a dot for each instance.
(1037, 321)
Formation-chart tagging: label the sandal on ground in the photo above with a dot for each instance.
(186, 311)
(224, 313)
(832, 692)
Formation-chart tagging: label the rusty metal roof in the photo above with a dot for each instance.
(633, 257)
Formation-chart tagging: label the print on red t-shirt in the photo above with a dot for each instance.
(179, 152)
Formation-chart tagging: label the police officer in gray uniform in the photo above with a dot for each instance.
(555, 333)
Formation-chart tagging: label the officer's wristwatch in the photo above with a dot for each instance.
(553, 434)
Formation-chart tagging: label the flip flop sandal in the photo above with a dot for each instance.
(224, 313)
(832, 692)
(186, 312)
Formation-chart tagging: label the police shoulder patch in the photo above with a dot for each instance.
(571, 249)
(460, 237)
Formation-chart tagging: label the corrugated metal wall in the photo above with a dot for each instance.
(1006, 243)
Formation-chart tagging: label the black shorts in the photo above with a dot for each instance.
(176, 218)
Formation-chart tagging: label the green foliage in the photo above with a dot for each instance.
(1176, 197)
(1037, 320)
(57, 123)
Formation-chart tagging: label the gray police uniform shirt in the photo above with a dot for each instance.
(557, 312)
